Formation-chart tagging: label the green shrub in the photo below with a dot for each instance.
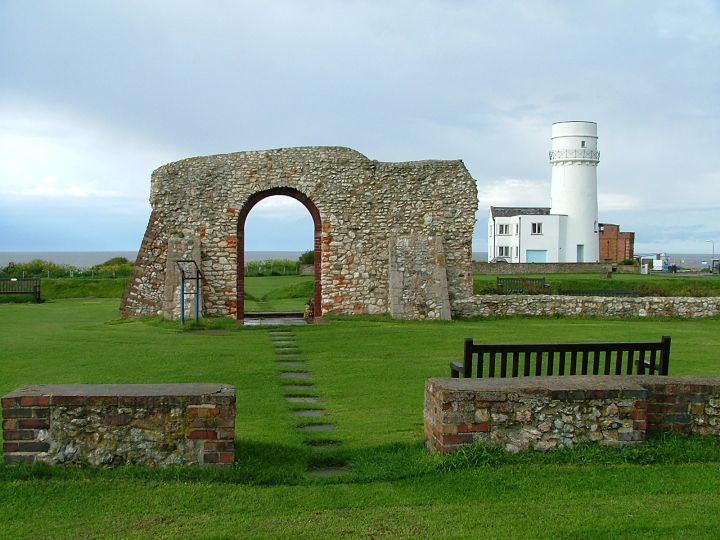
(115, 267)
(39, 268)
(271, 267)
(307, 258)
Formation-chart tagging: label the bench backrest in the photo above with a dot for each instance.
(520, 285)
(21, 286)
(537, 359)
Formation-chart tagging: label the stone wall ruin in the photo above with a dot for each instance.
(545, 413)
(366, 214)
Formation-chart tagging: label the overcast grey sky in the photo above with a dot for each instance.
(94, 95)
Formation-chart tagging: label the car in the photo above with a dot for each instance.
(499, 260)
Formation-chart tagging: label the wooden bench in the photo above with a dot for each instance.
(506, 285)
(29, 286)
(538, 359)
(597, 292)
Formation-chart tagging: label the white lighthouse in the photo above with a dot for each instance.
(568, 231)
(574, 158)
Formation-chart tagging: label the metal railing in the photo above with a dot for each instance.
(189, 272)
(585, 154)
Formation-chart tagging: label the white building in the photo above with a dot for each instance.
(568, 230)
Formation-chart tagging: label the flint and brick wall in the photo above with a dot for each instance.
(102, 425)
(362, 205)
(493, 305)
(544, 413)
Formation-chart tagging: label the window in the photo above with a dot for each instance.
(517, 229)
(536, 228)
(503, 251)
(504, 228)
(582, 144)
(517, 251)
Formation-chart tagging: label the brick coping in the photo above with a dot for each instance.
(121, 390)
(572, 382)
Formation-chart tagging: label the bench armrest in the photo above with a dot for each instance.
(456, 368)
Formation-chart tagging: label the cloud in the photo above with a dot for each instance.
(514, 192)
(279, 206)
(49, 154)
(49, 186)
(695, 21)
(96, 95)
(608, 202)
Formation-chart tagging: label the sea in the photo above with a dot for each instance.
(85, 259)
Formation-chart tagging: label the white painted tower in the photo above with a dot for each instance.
(574, 158)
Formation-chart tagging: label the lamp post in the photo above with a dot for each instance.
(712, 260)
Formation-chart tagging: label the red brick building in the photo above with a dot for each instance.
(615, 246)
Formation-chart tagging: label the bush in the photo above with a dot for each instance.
(307, 258)
(115, 267)
(271, 267)
(39, 268)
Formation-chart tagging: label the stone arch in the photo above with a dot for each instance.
(394, 237)
(317, 229)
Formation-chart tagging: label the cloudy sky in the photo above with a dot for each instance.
(95, 95)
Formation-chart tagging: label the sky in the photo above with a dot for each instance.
(96, 95)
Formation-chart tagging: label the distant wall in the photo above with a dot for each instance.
(540, 268)
(544, 413)
(500, 305)
(112, 424)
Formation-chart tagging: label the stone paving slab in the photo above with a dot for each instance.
(295, 374)
(317, 428)
(299, 386)
(302, 399)
(279, 321)
(297, 364)
(309, 412)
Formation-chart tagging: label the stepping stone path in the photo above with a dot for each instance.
(301, 392)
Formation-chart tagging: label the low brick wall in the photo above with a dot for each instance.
(111, 424)
(540, 268)
(494, 305)
(545, 413)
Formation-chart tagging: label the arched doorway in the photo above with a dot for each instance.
(317, 227)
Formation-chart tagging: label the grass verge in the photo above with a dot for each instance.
(369, 374)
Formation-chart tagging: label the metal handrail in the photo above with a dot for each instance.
(196, 293)
(575, 154)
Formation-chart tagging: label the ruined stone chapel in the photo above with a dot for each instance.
(388, 237)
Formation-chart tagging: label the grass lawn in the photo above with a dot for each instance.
(277, 293)
(370, 374)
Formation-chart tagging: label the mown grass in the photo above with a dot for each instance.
(643, 285)
(75, 287)
(277, 293)
(370, 374)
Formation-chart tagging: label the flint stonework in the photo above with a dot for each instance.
(365, 207)
(113, 424)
